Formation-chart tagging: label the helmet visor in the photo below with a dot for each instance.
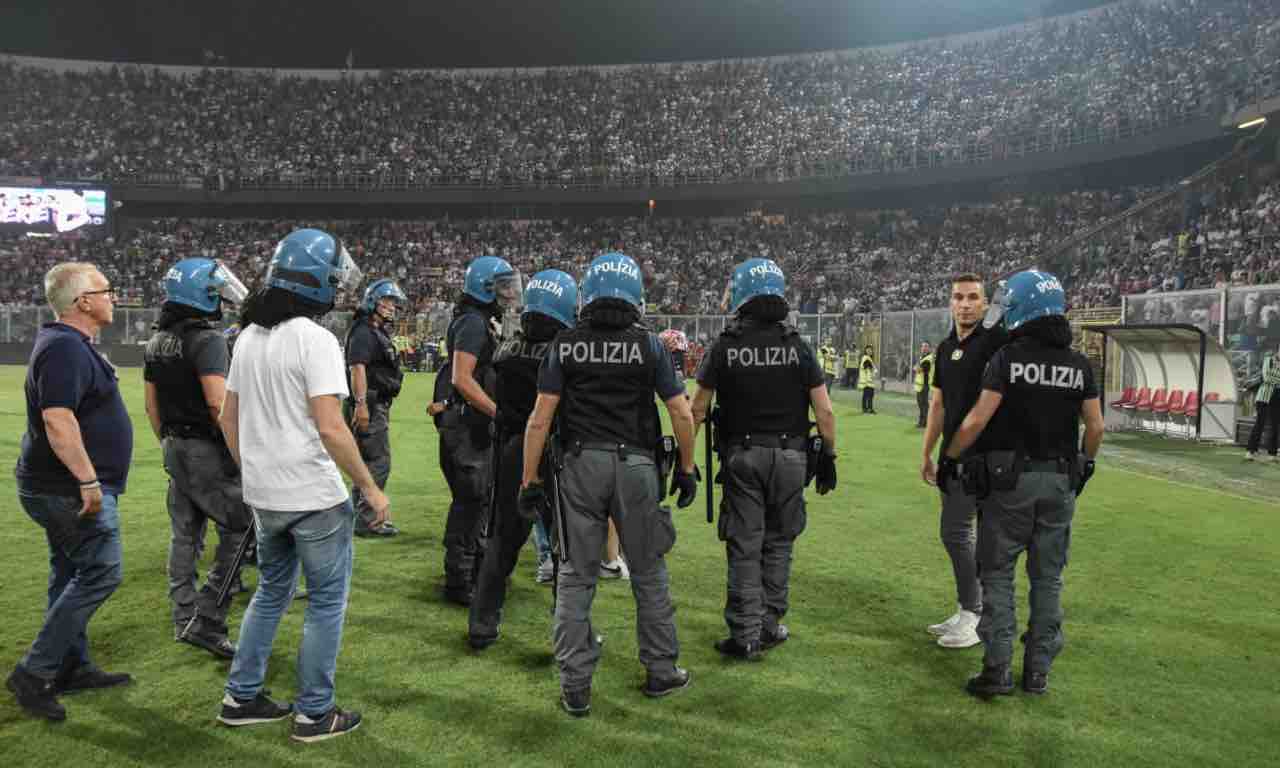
(508, 290)
(346, 274)
(232, 289)
(999, 305)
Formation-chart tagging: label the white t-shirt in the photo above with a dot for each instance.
(275, 373)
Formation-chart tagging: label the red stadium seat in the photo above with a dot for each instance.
(1128, 396)
(1158, 400)
(1143, 400)
(1212, 397)
(1190, 409)
(1175, 403)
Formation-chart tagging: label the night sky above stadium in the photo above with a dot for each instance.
(480, 33)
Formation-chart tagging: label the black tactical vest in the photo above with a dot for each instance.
(516, 363)
(609, 380)
(1045, 386)
(178, 392)
(760, 382)
(382, 375)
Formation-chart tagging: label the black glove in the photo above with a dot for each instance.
(948, 469)
(826, 475)
(687, 484)
(533, 498)
(1086, 471)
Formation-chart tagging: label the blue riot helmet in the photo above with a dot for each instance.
(314, 265)
(378, 290)
(756, 277)
(613, 276)
(1024, 297)
(202, 284)
(491, 279)
(552, 293)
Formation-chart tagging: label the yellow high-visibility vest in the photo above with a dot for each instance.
(829, 361)
(867, 374)
(921, 384)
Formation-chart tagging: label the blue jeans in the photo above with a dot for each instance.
(321, 541)
(84, 569)
(541, 540)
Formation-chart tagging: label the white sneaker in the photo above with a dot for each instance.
(546, 572)
(945, 627)
(964, 634)
(615, 569)
(1250, 456)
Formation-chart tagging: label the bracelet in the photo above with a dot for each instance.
(90, 485)
(361, 399)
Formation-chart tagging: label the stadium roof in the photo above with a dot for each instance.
(485, 33)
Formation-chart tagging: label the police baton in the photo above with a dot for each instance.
(709, 442)
(232, 575)
(495, 468)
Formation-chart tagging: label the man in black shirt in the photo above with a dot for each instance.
(489, 287)
(766, 379)
(373, 370)
(957, 381)
(550, 306)
(185, 374)
(1035, 392)
(597, 382)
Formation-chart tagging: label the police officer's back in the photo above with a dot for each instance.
(186, 365)
(766, 379)
(374, 379)
(550, 304)
(598, 383)
(1035, 392)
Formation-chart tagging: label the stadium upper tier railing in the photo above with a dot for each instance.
(902, 161)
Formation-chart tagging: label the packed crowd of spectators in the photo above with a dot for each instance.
(862, 261)
(1133, 65)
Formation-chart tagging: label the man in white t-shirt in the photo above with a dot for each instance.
(282, 418)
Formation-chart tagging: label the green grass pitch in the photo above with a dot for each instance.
(1172, 625)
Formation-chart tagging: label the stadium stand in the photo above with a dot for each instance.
(1130, 69)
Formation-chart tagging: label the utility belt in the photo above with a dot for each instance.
(191, 432)
(576, 447)
(783, 441)
(1001, 470)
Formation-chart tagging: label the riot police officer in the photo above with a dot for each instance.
(767, 379)
(1035, 392)
(550, 304)
(490, 286)
(601, 377)
(374, 379)
(185, 373)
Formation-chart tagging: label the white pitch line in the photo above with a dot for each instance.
(1193, 486)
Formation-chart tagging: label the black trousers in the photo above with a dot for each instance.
(922, 402)
(868, 399)
(1268, 413)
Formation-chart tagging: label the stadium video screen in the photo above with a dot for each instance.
(53, 211)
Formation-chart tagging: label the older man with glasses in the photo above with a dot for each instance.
(72, 468)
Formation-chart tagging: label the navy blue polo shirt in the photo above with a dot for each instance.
(65, 371)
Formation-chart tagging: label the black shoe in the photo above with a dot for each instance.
(481, 642)
(385, 530)
(89, 678)
(577, 702)
(260, 709)
(992, 681)
(773, 638)
(1035, 683)
(201, 634)
(38, 697)
(731, 647)
(655, 688)
(334, 723)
